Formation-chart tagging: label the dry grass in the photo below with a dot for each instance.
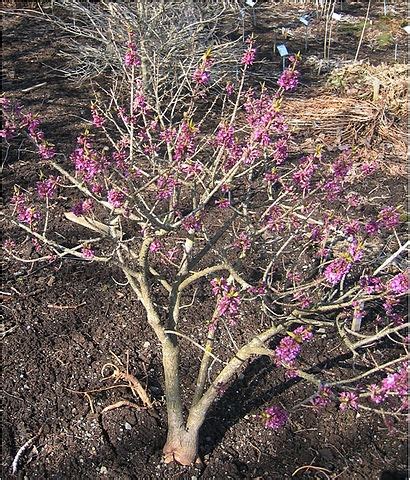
(383, 84)
(338, 121)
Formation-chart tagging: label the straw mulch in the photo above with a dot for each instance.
(382, 84)
(337, 121)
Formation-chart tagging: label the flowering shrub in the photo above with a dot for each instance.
(192, 187)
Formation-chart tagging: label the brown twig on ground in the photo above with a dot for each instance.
(119, 404)
(134, 384)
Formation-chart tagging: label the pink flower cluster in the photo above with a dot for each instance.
(289, 347)
(289, 79)
(185, 142)
(131, 58)
(25, 213)
(304, 174)
(98, 120)
(348, 400)
(340, 267)
(323, 397)
(166, 187)
(86, 160)
(87, 252)
(156, 246)
(47, 188)
(229, 300)
(83, 208)
(115, 198)
(399, 284)
(274, 417)
(394, 384)
(192, 223)
(371, 285)
(249, 56)
(202, 74)
(32, 123)
(243, 242)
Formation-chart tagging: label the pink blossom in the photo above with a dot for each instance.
(258, 289)
(9, 244)
(399, 284)
(155, 246)
(389, 218)
(27, 214)
(225, 136)
(86, 160)
(166, 187)
(280, 151)
(140, 102)
(368, 167)
(131, 58)
(396, 382)
(219, 286)
(83, 208)
(46, 151)
(229, 303)
(332, 188)
(352, 228)
(31, 122)
(115, 198)
(249, 56)
(377, 394)
(336, 270)
(287, 350)
(354, 199)
(185, 141)
(98, 120)
(192, 223)
(192, 169)
(371, 284)
(303, 175)
(47, 188)
(323, 397)
(223, 203)
(275, 417)
(289, 79)
(348, 400)
(272, 176)
(201, 76)
(87, 252)
(9, 130)
(229, 88)
(304, 334)
(355, 251)
(372, 228)
(243, 242)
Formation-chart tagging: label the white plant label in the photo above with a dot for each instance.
(250, 3)
(283, 51)
(336, 16)
(304, 20)
(407, 29)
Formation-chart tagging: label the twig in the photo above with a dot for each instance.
(22, 450)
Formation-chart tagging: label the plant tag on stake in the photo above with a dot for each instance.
(283, 52)
(304, 20)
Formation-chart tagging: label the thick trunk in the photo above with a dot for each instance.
(182, 447)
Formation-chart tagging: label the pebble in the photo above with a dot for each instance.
(103, 470)
(127, 426)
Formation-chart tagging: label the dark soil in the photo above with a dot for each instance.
(64, 322)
